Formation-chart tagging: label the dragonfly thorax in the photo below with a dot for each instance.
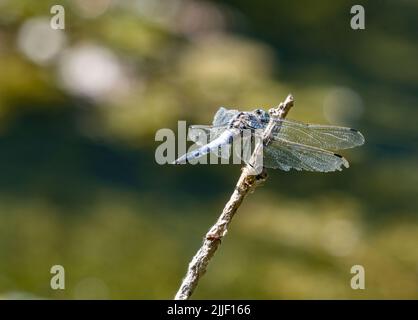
(256, 119)
(264, 116)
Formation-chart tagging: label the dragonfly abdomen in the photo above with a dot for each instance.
(225, 138)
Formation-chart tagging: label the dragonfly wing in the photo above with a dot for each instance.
(243, 146)
(319, 136)
(203, 134)
(200, 134)
(284, 155)
(223, 116)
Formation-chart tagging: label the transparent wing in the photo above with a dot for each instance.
(203, 134)
(243, 146)
(319, 136)
(223, 116)
(284, 155)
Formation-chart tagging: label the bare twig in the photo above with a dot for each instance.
(246, 183)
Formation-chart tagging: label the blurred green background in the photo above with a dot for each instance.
(79, 186)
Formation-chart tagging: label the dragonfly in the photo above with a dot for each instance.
(293, 145)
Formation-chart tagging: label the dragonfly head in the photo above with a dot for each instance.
(262, 115)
